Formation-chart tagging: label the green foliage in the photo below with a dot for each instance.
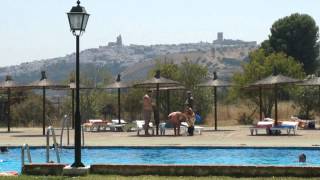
(29, 111)
(260, 66)
(297, 36)
(92, 101)
(306, 100)
(245, 119)
(133, 103)
(189, 74)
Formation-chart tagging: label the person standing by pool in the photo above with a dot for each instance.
(189, 100)
(190, 120)
(147, 110)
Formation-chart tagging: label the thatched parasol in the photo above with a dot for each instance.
(215, 82)
(168, 89)
(9, 84)
(118, 85)
(157, 82)
(45, 83)
(273, 81)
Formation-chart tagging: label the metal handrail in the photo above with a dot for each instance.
(23, 148)
(64, 124)
(55, 145)
(82, 130)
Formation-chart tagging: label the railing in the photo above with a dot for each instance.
(82, 131)
(23, 148)
(65, 124)
(55, 145)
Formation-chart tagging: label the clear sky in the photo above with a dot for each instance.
(38, 29)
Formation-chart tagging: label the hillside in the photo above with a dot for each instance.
(134, 61)
(226, 61)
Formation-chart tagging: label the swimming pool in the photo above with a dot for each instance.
(171, 155)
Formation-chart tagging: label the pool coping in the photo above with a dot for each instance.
(179, 170)
(182, 146)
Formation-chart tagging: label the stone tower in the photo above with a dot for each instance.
(119, 40)
(220, 37)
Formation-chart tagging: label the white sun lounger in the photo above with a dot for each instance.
(197, 129)
(288, 126)
(140, 126)
(261, 125)
(96, 125)
(163, 128)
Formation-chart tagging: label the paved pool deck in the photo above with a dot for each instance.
(225, 136)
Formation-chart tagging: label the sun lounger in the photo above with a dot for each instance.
(115, 126)
(140, 126)
(288, 126)
(262, 125)
(163, 127)
(197, 129)
(183, 128)
(305, 123)
(116, 121)
(95, 125)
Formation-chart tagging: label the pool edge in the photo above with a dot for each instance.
(180, 170)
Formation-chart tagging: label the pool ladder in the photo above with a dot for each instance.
(55, 145)
(65, 126)
(25, 147)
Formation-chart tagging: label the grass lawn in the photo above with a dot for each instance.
(116, 177)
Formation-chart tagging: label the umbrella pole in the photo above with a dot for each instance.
(72, 106)
(43, 110)
(260, 102)
(215, 108)
(276, 105)
(168, 102)
(319, 96)
(157, 110)
(119, 106)
(8, 118)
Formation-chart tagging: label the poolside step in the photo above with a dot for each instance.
(76, 171)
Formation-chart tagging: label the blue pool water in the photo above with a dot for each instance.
(171, 155)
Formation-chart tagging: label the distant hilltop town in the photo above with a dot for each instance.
(230, 42)
(220, 41)
(134, 61)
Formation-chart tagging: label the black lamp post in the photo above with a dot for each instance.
(78, 18)
(72, 87)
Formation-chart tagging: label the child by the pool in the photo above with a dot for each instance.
(190, 120)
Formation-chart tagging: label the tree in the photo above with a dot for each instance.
(29, 111)
(296, 35)
(306, 99)
(260, 66)
(189, 74)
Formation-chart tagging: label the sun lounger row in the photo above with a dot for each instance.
(100, 125)
(183, 128)
(140, 126)
(270, 129)
(305, 123)
(96, 125)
